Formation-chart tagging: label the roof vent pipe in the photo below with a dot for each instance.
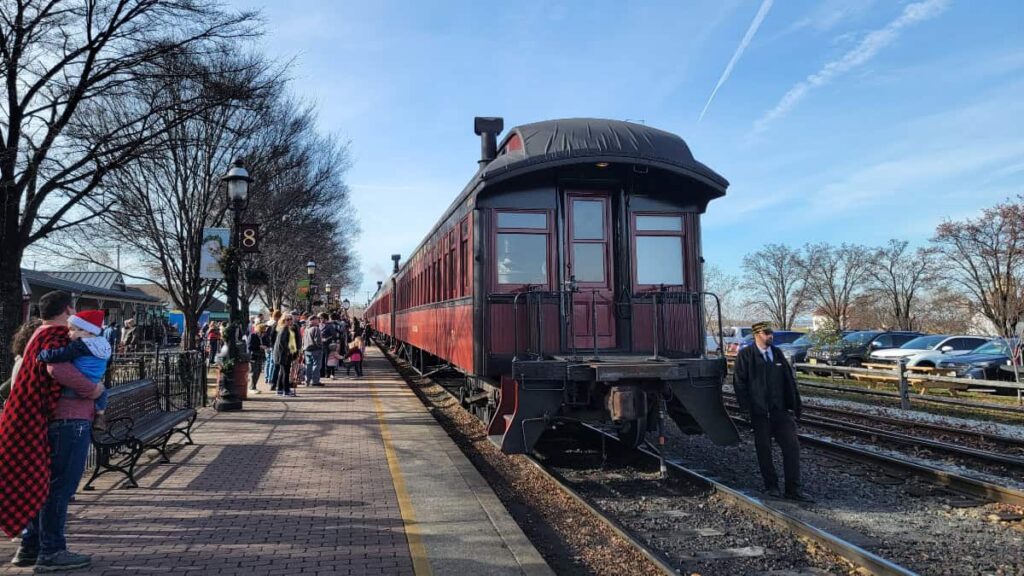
(396, 258)
(488, 128)
(379, 284)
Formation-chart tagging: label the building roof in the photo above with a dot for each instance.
(104, 279)
(47, 280)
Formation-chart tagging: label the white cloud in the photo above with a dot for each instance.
(867, 49)
(762, 12)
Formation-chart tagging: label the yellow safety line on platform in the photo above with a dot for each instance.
(420, 562)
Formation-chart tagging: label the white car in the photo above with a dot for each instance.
(927, 351)
(735, 334)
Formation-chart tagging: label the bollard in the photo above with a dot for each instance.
(901, 374)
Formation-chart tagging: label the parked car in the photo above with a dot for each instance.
(711, 344)
(983, 363)
(731, 334)
(928, 351)
(781, 337)
(796, 351)
(854, 348)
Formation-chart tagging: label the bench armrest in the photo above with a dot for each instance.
(118, 431)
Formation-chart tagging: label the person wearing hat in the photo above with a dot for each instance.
(766, 389)
(90, 353)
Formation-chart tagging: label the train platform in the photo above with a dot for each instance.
(352, 478)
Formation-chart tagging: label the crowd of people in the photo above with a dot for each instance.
(289, 350)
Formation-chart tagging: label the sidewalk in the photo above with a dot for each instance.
(304, 485)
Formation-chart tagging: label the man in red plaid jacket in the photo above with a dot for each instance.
(44, 441)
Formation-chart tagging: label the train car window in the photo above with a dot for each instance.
(588, 262)
(528, 220)
(522, 258)
(587, 220)
(659, 223)
(659, 260)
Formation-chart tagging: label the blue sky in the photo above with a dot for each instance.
(840, 120)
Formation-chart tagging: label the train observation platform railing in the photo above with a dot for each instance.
(920, 379)
(667, 322)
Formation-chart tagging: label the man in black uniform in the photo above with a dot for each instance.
(766, 388)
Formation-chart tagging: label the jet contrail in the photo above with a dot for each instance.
(868, 48)
(766, 5)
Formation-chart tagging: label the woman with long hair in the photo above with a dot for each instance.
(286, 347)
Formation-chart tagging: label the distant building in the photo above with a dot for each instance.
(91, 290)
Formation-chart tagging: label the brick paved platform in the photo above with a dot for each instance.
(352, 478)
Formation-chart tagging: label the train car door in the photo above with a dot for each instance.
(589, 259)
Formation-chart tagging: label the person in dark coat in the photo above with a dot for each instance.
(286, 348)
(766, 389)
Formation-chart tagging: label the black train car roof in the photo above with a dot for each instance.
(552, 143)
(556, 142)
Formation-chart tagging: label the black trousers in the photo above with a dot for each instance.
(782, 427)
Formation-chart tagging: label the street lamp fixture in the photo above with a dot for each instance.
(345, 304)
(327, 295)
(236, 187)
(310, 271)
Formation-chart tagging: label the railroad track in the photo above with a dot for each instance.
(876, 434)
(851, 552)
(788, 523)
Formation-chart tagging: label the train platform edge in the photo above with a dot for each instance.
(355, 477)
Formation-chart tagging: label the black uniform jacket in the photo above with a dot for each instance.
(750, 381)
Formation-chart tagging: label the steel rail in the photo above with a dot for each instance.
(908, 440)
(916, 397)
(843, 426)
(847, 550)
(971, 486)
(978, 434)
(654, 556)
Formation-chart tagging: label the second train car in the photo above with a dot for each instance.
(565, 283)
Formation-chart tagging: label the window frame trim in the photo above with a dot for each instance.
(499, 288)
(682, 234)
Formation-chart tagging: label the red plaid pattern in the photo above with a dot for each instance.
(24, 447)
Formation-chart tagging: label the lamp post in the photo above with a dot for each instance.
(345, 304)
(327, 295)
(236, 183)
(310, 271)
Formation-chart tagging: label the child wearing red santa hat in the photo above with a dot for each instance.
(89, 352)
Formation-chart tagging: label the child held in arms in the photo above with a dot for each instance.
(89, 352)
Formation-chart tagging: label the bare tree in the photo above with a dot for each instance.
(833, 277)
(726, 287)
(985, 257)
(899, 276)
(946, 310)
(65, 64)
(774, 279)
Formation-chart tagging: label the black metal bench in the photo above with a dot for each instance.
(136, 422)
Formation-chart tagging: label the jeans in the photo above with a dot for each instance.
(357, 364)
(69, 446)
(268, 371)
(214, 348)
(255, 366)
(282, 375)
(312, 367)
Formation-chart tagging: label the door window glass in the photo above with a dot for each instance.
(883, 341)
(659, 223)
(522, 220)
(522, 258)
(587, 219)
(588, 262)
(659, 260)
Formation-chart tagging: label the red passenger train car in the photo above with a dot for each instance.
(565, 283)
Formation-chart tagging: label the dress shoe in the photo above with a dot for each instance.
(798, 497)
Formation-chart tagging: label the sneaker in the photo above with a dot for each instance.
(292, 393)
(257, 391)
(61, 561)
(100, 422)
(25, 557)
